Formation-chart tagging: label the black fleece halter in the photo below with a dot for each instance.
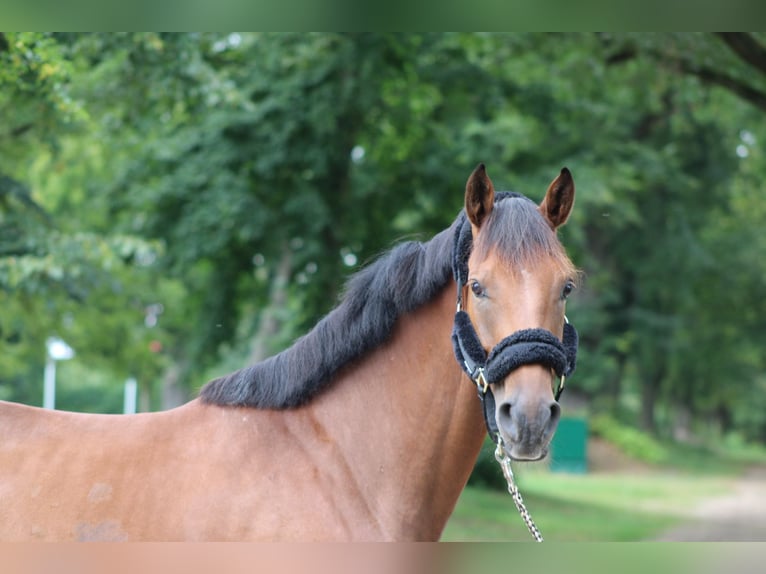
(525, 347)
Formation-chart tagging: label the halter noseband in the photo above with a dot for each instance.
(525, 347)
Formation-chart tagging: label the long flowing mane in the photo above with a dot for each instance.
(397, 283)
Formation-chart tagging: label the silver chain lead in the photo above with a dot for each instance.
(505, 464)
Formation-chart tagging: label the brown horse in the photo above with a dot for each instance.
(365, 429)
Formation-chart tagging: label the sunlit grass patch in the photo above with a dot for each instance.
(589, 507)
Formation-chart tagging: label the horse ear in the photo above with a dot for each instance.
(558, 200)
(479, 196)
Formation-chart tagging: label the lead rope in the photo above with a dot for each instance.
(505, 464)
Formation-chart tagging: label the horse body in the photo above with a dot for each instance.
(376, 445)
(204, 472)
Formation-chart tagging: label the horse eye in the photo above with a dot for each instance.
(477, 289)
(568, 288)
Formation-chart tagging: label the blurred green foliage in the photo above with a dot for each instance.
(487, 472)
(631, 441)
(176, 205)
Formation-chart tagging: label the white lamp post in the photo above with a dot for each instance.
(131, 394)
(56, 350)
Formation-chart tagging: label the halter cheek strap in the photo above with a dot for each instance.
(525, 347)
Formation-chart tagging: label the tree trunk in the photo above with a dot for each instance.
(614, 384)
(173, 393)
(682, 423)
(649, 393)
(271, 322)
(724, 417)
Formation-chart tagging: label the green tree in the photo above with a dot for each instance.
(209, 193)
(54, 271)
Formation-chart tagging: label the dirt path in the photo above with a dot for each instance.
(737, 515)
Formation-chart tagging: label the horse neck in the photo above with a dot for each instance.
(408, 424)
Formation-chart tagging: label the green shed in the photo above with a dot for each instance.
(569, 446)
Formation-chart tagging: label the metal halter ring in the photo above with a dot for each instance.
(560, 387)
(481, 381)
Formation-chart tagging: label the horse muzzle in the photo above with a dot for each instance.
(526, 415)
(519, 367)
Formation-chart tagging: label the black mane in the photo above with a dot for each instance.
(397, 283)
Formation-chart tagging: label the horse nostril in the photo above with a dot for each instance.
(555, 412)
(505, 421)
(555, 415)
(504, 413)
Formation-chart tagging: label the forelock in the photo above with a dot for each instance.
(517, 233)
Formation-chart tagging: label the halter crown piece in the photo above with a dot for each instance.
(525, 347)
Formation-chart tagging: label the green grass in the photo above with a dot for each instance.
(626, 506)
(723, 460)
(483, 515)
(581, 507)
(637, 502)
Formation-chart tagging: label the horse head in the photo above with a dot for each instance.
(514, 296)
